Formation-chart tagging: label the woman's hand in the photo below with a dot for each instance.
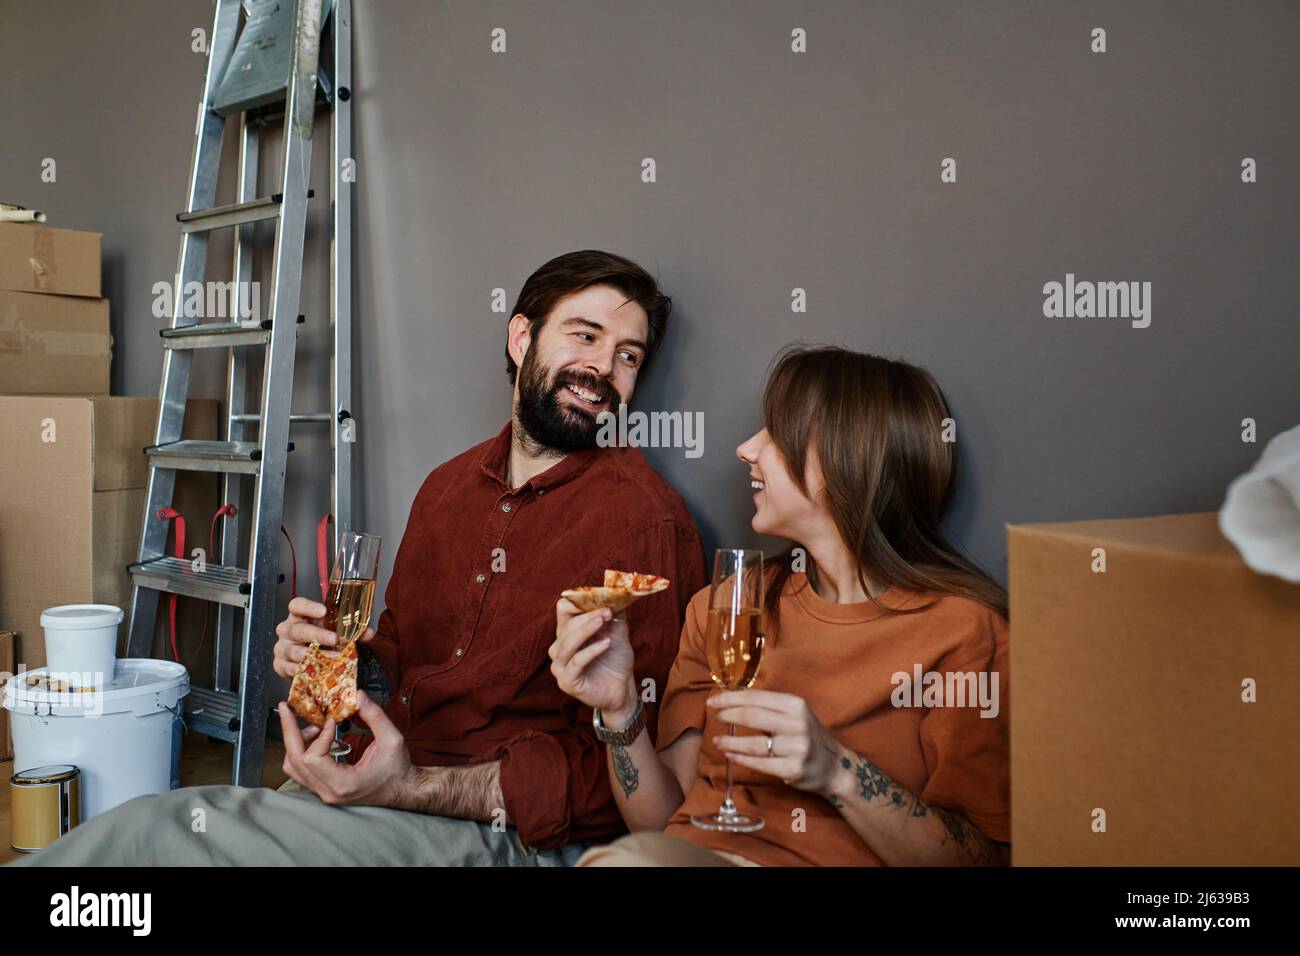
(598, 673)
(804, 754)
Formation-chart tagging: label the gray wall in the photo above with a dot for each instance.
(775, 170)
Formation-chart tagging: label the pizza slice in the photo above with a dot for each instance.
(302, 700)
(325, 686)
(635, 581)
(621, 588)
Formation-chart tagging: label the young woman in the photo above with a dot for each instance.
(876, 731)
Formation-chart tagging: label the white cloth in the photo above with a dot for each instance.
(1261, 514)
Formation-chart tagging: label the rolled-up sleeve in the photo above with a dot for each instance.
(556, 787)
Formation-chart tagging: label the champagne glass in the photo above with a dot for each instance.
(734, 644)
(350, 599)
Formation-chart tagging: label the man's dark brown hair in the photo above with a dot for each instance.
(575, 271)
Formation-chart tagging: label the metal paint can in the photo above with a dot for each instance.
(45, 804)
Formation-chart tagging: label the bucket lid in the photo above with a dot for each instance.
(136, 680)
(80, 617)
(52, 774)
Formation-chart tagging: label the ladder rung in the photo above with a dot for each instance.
(216, 582)
(244, 457)
(213, 712)
(302, 419)
(235, 214)
(210, 335)
(219, 335)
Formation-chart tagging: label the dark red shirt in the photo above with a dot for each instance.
(471, 613)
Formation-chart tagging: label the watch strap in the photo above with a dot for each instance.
(620, 738)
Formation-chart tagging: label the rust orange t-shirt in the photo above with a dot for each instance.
(842, 659)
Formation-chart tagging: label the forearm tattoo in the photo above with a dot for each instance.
(371, 677)
(874, 783)
(629, 778)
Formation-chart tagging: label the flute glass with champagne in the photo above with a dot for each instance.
(734, 644)
(350, 599)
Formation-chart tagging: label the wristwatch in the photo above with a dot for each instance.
(620, 738)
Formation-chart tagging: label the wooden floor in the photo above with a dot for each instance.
(202, 761)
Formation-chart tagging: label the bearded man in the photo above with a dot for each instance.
(472, 754)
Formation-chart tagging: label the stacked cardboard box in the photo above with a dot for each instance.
(1155, 709)
(54, 335)
(72, 483)
(72, 498)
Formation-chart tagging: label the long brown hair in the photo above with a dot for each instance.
(877, 426)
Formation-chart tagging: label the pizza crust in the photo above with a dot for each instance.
(621, 589)
(588, 599)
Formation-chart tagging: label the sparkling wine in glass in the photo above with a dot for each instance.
(350, 600)
(733, 642)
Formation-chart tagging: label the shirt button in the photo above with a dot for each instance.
(405, 700)
(540, 492)
(506, 507)
(481, 578)
(460, 652)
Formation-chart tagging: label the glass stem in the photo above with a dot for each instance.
(729, 808)
(336, 749)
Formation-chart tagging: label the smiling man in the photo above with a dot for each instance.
(473, 755)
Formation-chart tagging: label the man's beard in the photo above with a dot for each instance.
(553, 424)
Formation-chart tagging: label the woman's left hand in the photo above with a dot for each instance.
(802, 753)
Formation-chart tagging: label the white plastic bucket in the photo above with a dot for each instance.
(122, 736)
(81, 641)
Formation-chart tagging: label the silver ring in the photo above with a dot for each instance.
(769, 745)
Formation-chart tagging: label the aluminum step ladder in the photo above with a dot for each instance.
(268, 61)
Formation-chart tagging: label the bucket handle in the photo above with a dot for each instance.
(178, 712)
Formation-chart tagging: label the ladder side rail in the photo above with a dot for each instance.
(191, 262)
(277, 396)
(236, 396)
(341, 275)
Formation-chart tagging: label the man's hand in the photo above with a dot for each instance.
(297, 631)
(381, 778)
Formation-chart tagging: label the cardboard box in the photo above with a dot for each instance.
(53, 344)
(53, 261)
(1129, 698)
(72, 496)
(6, 670)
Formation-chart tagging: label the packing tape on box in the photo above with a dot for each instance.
(44, 268)
(24, 341)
